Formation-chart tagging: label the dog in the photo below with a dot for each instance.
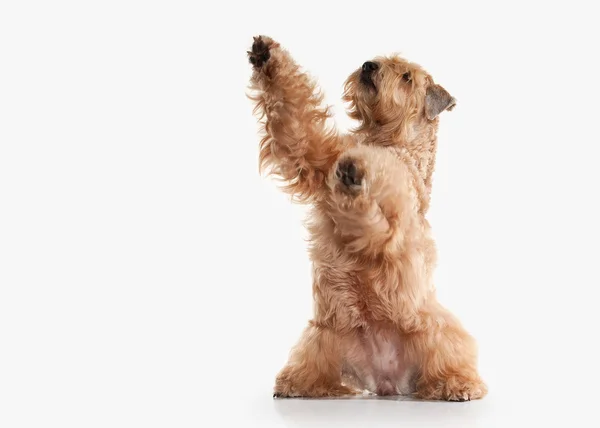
(377, 324)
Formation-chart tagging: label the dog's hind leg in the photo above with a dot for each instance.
(314, 368)
(298, 147)
(449, 358)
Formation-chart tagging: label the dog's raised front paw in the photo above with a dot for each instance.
(350, 174)
(260, 53)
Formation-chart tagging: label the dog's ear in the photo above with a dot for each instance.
(437, 100)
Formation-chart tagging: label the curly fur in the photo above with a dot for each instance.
(377, 324)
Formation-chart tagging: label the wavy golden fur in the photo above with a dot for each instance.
(377, 324)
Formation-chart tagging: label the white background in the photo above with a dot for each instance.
(150, 277)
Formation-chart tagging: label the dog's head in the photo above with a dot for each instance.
(392, 93)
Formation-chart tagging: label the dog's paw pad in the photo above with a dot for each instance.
(349, 174)
(260, 52)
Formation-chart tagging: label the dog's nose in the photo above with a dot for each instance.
(370, 66)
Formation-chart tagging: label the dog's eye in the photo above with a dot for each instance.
(406, 76)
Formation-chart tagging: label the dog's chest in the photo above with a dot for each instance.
(375, 360)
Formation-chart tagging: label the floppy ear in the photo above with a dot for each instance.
(437, 100)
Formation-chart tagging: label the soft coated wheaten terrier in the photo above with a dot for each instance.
(377, 324)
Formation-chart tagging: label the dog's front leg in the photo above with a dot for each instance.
(314, 368)
(297, 145)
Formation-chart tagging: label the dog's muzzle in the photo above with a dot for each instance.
(366, 74)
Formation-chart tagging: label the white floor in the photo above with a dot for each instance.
(519, 409)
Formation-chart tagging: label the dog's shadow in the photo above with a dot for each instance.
(373, 410)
